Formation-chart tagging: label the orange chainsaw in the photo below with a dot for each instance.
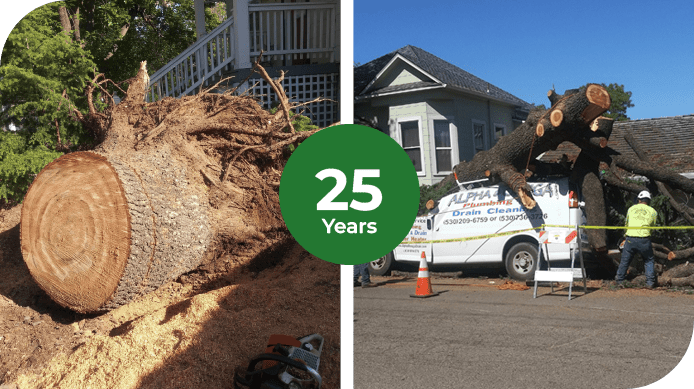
(287, 363)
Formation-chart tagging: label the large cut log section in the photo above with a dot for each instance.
(97, 231)
(570, 118)
(75, 225)
(170, 185)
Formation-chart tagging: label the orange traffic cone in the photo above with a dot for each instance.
(423, 282)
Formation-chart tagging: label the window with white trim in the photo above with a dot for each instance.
(442, 145)
(411, 142)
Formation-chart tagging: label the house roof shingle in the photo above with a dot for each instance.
(444, 71)
(667, 139)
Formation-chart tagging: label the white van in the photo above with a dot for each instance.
(479, 209)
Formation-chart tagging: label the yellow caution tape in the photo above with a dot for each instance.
(622, 228)
(471, 237)
(488, 236)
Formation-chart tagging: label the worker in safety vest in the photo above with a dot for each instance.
(638, 239)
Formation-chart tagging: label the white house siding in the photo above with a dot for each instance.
(501, 115)
(468, 110)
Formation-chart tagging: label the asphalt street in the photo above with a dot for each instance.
(482, 337)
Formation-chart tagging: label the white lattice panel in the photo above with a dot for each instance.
(307, 88)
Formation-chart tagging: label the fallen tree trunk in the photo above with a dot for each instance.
(100, 228)
(682, 275)
(573, 117)
(585, 173)
(568, 119)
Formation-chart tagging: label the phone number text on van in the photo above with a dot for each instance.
(483, 219)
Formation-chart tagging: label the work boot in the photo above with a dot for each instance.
(369, 285)
(615, 284)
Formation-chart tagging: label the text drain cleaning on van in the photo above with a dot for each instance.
(487, 225)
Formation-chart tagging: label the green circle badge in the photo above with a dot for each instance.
(349, 194)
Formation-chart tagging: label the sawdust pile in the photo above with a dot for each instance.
(199, 341)
(253, 281)
(511, 285)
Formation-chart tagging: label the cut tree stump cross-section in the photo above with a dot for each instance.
(97, 233)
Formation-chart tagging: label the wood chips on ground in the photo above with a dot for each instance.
(191, 333)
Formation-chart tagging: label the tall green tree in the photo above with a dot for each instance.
(121, 33)
(42, 67)
(53, 53)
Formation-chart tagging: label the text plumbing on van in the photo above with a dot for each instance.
(488, 211)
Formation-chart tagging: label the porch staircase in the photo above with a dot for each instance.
(288, 34)
(196, 66)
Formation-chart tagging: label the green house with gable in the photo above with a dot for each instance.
(439, 113)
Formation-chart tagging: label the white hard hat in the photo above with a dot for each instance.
(644, 194)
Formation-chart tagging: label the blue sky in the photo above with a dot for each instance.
(526, 47)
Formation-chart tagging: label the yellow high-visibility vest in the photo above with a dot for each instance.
(640, 215)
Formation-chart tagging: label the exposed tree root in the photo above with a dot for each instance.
(196, 175)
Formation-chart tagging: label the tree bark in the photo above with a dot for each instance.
(568, 119)
(682, 275)
(585, 174)
(135, 228)
(123, 30)
(553, 96)
(76, 26)
(64, 20)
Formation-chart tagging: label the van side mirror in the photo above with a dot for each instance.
(428, 224)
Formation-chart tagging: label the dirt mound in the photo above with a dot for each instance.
(192, 332)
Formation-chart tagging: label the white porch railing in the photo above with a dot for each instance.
(288, 34)
(295, 33)
(197, 64)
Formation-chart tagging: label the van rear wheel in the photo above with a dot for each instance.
(382, 266)
(521, 261)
